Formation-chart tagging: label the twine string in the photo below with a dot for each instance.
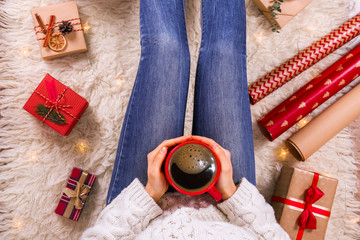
(70, 20)
(56, 26)
(56, 106)
(49, 28)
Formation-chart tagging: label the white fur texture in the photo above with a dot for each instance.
(36, 161)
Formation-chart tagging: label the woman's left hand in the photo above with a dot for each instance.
(225, 183)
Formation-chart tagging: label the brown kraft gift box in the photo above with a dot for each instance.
(67, 11)
(289, 9)
(288, 202)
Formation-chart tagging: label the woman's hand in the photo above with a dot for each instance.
(225, 183)
(157, 184)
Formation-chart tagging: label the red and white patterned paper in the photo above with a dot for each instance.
(311, 95)
(305, 59)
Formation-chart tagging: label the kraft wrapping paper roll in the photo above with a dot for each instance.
(318, 93)
(305, 59)
(325, 126)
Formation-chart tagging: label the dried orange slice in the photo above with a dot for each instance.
(57, 42)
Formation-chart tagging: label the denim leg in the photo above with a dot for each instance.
(156, 108)
(221, 107)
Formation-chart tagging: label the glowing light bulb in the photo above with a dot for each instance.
(33, 157)
(314, 75)
(327, 174)
(355, 220)
(17, 223)
(283, 153)
(259, 37)
(24, 51)
(302, 123)
(82, 146)
(86, 27)
(119, 82)
(311, 28)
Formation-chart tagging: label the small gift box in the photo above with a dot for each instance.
(302, 202)
(75, 193)
(289, 9)
(60, 27)
(56, 105)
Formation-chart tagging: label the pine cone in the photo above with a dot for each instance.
(65, 27)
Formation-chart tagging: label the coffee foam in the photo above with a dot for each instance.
(193, 158)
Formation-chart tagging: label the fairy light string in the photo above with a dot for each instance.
(82, 145)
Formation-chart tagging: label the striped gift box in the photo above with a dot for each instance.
(78, 188)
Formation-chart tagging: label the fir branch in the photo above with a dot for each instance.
(275, 9)
(53, 116)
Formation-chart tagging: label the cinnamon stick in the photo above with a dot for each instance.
(41, 23)
(49, 30)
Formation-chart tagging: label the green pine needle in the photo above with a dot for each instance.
(274, 12)
(53, 116)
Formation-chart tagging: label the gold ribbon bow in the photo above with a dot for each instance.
(80, 193)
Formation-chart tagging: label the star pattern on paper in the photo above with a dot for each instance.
(342, 82)
(302, 105)
(328, 82)
(282, 110)
(270, 123)
(339, 68)
(349, 56)
(285, 123)
(309, 87)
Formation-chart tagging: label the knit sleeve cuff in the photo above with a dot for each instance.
(138, 197)
(243, 196)
(247, 207)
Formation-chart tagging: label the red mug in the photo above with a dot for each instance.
(193, 168)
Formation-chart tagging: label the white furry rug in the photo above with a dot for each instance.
(36, 161)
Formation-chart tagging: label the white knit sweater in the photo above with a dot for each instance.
(134, 214)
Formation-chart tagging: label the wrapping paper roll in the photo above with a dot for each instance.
(317, 92)
(337, 65)
(305, 59)
(325, 126)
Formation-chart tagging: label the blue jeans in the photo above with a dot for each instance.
(156, 109)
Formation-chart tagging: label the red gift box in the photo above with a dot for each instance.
(56, 105)
(74, 195)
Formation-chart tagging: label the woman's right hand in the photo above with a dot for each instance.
(157, 184)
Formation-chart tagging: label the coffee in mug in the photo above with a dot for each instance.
(193, 168)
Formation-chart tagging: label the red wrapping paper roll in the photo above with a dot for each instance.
(305, 59)
(274, 126)
(337, 65)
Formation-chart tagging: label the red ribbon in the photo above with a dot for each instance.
(307, 219)
(54, 100)
(51, 89)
